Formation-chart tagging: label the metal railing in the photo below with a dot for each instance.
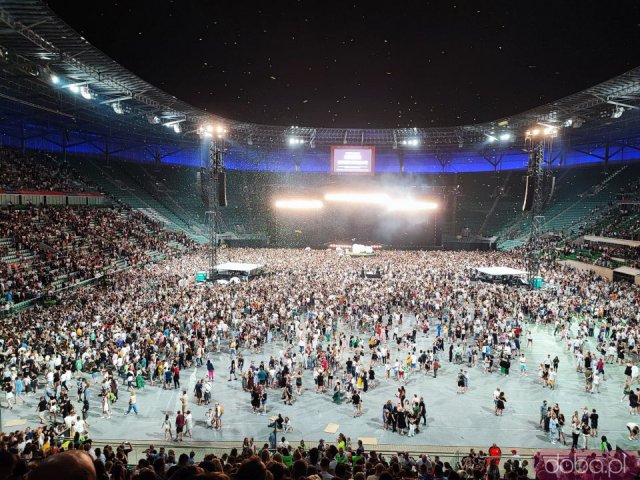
(453, 455)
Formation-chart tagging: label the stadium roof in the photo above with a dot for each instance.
(35, 44)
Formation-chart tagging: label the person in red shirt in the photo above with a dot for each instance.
(494, 452)
(180, 422)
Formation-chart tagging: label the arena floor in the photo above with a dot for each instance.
(452, 419)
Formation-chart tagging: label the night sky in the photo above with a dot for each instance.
(365, 63)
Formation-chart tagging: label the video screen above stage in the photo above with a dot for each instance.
(349, 160)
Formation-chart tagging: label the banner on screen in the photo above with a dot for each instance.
(346, 160)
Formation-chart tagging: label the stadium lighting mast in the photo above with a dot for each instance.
(537, 141)
(216, 172)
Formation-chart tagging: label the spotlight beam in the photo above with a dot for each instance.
(355, 197)
(411, 206)
(298, 204)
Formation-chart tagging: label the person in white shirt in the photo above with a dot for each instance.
(523, 365)
(496, 394)
(595, 387)
(78, 426)
(284, 443)
(69, 420)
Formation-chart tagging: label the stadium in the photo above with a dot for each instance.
(193, 292)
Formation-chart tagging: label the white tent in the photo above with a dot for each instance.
(501, 271)
(236, 267)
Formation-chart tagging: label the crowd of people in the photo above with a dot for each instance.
(29, 455)
(38, 171)
(73, 244)
(601, 254)
(147, 325)
(617, 221)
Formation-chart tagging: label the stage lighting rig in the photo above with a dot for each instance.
(220, 131)
(209, 131)
(502, 137)
(548, 131)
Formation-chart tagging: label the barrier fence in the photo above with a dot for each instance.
(453, 455)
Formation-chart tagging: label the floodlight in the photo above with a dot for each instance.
(117, 107)
(86, 93)
(74, 88)
(54, 79)
(299, 204)
(535, 131)
(505, 137)
(177, 128)
(491, 138)
(205, 131)
(413, 142)
(358, 198)
(617, 113)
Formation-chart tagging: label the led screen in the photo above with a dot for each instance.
(346, 160)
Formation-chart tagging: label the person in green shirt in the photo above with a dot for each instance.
(341, 457)
(287, 457)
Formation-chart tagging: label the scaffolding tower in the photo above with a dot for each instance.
(215, 167)
(537, 174)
